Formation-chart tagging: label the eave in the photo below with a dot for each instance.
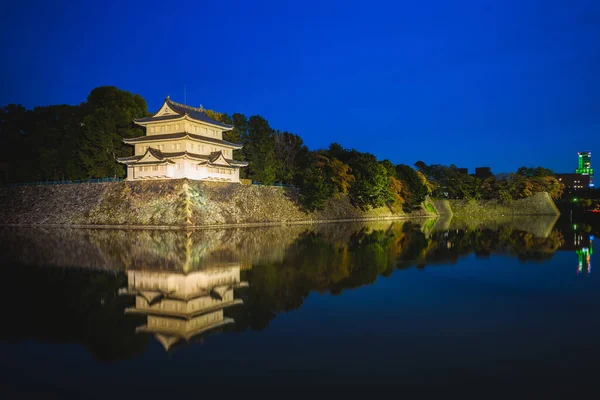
(157, 312)
(178, 117)
(183, 154)
(179, 136)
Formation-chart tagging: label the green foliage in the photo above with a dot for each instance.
(504, 196)
(371, 187)
(109, 118)
(338, 174)
(538, 172)
(315, 191)
(259, 143)
(291, 155)
(390, 168)
(42, 141)
(451, 183)
(416, 191)
(430, 208)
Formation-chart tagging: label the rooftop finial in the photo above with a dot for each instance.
(168, 97)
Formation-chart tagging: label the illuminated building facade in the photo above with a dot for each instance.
(584, 166)
(182, 142)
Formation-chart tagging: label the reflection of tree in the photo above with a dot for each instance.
(70, 306)
(80, 305)
(316, 263)
(452, 245)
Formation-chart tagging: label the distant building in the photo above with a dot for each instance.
(574, 181)
(182, 142)
(483, 172)
(463, 171)
(584, 166)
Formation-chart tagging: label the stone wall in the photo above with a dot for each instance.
(442, 206)
(538, 204)
(171, 203)
(193, 203)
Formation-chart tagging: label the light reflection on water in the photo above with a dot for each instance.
(123, 294)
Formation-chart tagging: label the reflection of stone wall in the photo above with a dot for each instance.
(539, 226)
(169, 203)
(146, 249)
(189, 250)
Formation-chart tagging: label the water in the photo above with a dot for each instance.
(489, 306)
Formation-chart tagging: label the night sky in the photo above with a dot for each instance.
(474, 83)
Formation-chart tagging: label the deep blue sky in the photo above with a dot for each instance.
(497, 83)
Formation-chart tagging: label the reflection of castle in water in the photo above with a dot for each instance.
(182, 306)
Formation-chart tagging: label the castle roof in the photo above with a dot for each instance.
(169, 338)
(160, 157)
(159, 312)
(180, 110)
(180, 135)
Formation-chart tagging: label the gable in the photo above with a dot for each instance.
(149, 157)
(165, 110)
(220, 161)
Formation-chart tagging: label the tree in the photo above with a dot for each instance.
(291, 154)
(109, 118)
(340, 175)
(548, 184)
(390, 168)
(398, 191)
(314, 190)
(260, 150)
(238, 135)
(519, 186)
(415, 185)
(372, 186)
(538, 172)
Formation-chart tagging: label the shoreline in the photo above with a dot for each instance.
(182, 204)
(223, 226)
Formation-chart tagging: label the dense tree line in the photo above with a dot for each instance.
(81, 142)
(449, 182)
(70, 142)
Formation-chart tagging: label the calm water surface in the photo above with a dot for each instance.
(425, 305)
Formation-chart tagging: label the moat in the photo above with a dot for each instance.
(419, 304)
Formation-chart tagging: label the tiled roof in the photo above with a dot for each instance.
(161, 118)
(180, 135)
(181, 109)
(167, 156)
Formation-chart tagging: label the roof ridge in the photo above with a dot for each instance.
(200, 109)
